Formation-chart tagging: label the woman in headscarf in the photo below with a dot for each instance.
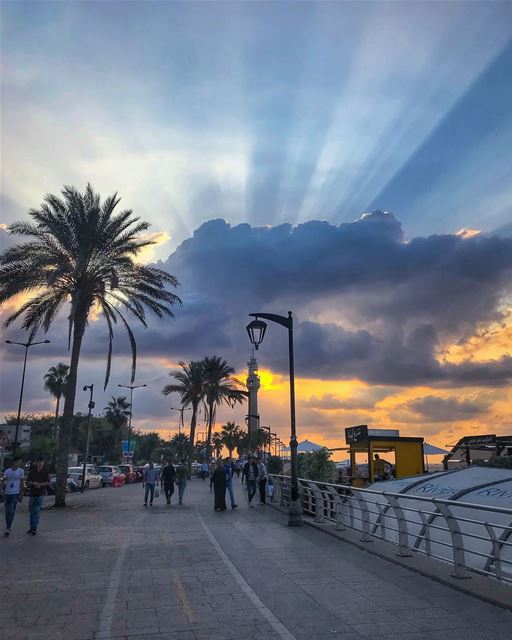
(219, 487)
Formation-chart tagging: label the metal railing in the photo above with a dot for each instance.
(472, 537)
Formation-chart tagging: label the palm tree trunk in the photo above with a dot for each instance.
(67, 414)
(210, 425)
(57, 418)
(192, 437)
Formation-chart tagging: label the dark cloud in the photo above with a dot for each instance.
(435, 409)
(367, 304)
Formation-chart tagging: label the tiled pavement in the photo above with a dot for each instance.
(111, 569)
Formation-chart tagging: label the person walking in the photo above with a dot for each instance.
(250, 473)
(13, 488)
(262, 480)
(236, 468)
(219, 486)
(211, 469)
(182, 476)
(167, 480)
(38, 480)
(228, 468)
(204, 470)
(149, 482)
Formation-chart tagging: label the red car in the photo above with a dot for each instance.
(128, 471)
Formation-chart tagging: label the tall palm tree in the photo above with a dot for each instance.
(117, 413)
(220, 388)
(190, 385)
(231, 434)
(81, 251)
(55, 382)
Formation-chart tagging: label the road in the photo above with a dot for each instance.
(107, 567)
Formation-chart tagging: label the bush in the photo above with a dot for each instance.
(317, 466)
(495, 463)
(275, 465)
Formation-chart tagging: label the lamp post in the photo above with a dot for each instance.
(90, 406)
(256, 330)
(180, 423)
(27, 345)
(131, 387)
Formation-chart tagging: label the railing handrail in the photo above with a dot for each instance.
(455, 503)
(354, 508)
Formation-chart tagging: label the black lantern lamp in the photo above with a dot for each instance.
(256, 330)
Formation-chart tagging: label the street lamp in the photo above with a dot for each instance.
(131, 387)
(91, 406)
(256, 330)
(26, 345)
(181, 423)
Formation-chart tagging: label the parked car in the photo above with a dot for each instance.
(140, 473)
(72, 487)
(109, 473)
(92, 480)
(128, 471)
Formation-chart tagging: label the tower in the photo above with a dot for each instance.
(253, 419)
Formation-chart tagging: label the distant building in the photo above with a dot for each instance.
(8, 433)
(469, 449)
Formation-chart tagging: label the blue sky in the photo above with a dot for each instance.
(283, 114)
(263, 112)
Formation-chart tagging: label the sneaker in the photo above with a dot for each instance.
(7, 532)
(251, 505)
(145, 504)
(150, 504)
(33, 532)
(234, 506)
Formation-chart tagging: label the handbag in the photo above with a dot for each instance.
(157, 491)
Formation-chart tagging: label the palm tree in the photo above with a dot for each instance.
(191, 387)
(231, 434)
(55, 382)
(81, 251)
(218, 443)
(180, 445)
(117, 413)
(220, 388)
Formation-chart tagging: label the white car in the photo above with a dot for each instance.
(93, 480)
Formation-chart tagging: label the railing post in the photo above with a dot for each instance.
(282, 484)
(365, 518)
(496, 549)
(338, 504)
(459, 567)
(403, 534)
(319, 501)
(426, 529)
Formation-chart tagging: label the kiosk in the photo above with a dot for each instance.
(407, 452)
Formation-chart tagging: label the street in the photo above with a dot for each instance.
(107, 567)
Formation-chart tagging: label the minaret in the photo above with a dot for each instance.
(253, 384)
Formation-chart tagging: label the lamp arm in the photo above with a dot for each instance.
(282, 320)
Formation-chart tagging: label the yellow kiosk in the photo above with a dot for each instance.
(407, 452)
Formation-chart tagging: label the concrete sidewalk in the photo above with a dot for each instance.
(110, 568)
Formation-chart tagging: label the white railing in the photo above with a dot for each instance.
(471, 537)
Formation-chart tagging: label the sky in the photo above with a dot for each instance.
(349, 161)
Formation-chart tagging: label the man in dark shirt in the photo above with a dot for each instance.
(37, 482)
(250, 473)
(182, 476)
(167, 480)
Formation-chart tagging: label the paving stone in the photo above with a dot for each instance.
(115, 571)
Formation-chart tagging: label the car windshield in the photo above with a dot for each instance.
(75, 469)
(105, 469)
